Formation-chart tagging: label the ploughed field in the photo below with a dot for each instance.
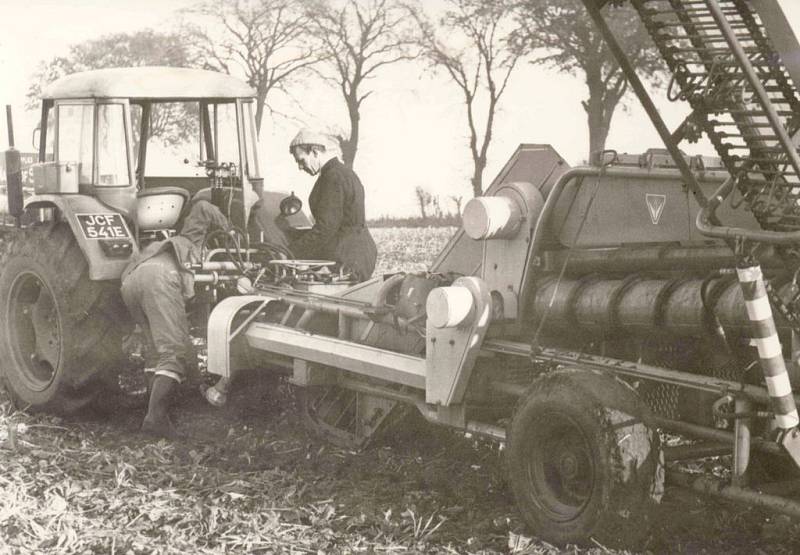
(409, 249)
(249, 478)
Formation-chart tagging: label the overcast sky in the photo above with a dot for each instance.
(413, 127)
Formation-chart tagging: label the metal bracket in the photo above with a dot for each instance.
(451, 352)
(219, 329)
(790, 441)
(306, 374)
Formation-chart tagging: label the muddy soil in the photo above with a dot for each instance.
(448, 489)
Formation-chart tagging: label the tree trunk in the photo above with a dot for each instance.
(457, 200)
(477, 178)
(599, 111)
(598, 130)
(350, 147)
(261, 100)
(423, 198)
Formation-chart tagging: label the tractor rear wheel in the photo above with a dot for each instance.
(62, 333)
(582, 461)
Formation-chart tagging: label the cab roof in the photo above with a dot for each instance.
(148, 83)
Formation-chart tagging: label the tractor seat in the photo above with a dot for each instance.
(160, 207)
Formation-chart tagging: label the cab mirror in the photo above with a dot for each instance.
(35, 138)
(290, 205)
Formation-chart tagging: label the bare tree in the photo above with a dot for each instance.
(359, 38)
(437, 207)
(424, 199)
(472, 44)
(566, 39)
(267, 40)
(457, 200)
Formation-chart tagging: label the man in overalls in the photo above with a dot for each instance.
(155, 287)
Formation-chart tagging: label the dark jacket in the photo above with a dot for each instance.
(339, 232)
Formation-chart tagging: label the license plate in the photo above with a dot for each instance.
(103, 226)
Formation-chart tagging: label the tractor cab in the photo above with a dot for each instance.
(145, 141)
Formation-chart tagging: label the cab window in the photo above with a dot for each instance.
(173, 144)
(112, 146)
(49, 139)
(226, 139)
(251, 140)
(75, 138)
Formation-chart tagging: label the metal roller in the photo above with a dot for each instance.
(638, 305)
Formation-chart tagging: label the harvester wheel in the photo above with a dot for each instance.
(769, 467)
(61, 336)
(583, 462)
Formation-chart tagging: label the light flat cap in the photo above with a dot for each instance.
(308, 137)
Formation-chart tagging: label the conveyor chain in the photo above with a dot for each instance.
(723, 63)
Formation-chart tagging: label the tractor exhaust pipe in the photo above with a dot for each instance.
(13, 173)
(10, 126)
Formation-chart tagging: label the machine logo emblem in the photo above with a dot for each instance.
(655, 205)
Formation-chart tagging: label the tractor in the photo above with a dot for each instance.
(578, 316)
(110, 179)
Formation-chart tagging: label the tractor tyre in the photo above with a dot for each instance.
(769, 467)
(583, 461)
(61, 341)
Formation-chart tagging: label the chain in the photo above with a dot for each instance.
(787, 311)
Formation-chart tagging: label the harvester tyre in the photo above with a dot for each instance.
(583, 462)
(61, 339)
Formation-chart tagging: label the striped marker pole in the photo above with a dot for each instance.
(770, 353)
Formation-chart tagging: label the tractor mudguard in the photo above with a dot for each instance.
(101, 232)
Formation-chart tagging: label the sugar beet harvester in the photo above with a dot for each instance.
(577, 315)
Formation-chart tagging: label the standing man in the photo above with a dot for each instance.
(155, 287)
(337, 204)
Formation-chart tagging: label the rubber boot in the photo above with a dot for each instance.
(157, 422)
(149, 378)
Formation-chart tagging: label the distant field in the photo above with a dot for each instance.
(408, 248)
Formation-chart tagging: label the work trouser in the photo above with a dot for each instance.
(153, 293)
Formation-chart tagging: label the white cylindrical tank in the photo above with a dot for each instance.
(448, 307)
(492, 218)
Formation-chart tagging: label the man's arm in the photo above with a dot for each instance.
(211, 216)
(202, 218)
